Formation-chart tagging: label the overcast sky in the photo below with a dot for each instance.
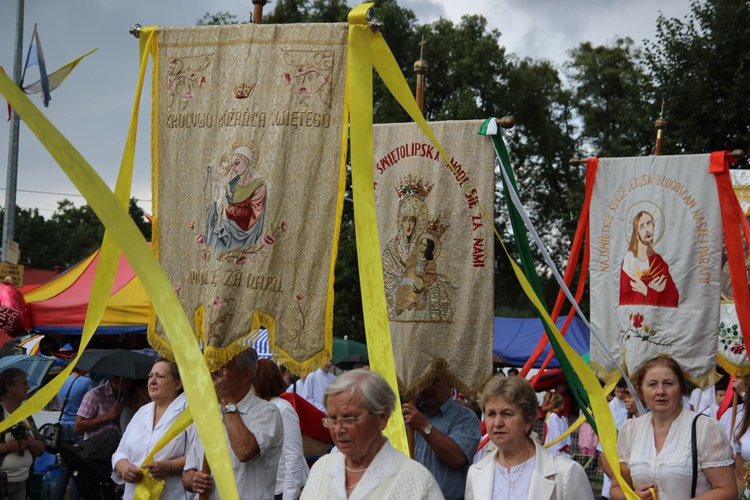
(92, 108)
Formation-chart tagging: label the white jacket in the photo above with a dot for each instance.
(554, 477)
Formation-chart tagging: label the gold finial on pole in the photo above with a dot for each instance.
(507, 121)
(420, 68)
(661, 126)
(737, 154)
(258, 11)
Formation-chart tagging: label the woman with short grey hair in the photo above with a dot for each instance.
(520, 468)
(359, 404)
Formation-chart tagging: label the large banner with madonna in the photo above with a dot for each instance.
(248, 183)
(437, 251)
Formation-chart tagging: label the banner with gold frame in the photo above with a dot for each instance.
(656, 232)
(248, 183)
(437, 252)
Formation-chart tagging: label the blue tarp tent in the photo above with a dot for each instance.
(516, 338)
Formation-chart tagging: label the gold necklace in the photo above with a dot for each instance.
(354, 470)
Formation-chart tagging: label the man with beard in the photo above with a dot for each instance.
(644, 276)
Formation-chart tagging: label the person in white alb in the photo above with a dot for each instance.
(316, 384)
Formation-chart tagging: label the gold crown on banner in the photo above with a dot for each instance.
(436, 226)
(242, 91)
(413, 186)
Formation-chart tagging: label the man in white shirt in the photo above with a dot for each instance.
(254, 432)
(316, 384)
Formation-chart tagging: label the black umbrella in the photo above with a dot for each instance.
(352, 360)
(116, 362)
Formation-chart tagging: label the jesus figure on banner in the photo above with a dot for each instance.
(644, 276)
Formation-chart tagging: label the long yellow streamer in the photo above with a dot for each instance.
(607, 389)
(373, 48)
(570, 430)
(150, 488)
(123, 231)
(104, 277)
(359, 86)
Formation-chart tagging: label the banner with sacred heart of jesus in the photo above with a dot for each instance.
(437, 251)
(248, 183)
(656, 244)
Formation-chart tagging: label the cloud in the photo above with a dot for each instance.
(93, 107)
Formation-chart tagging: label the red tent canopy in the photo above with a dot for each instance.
(59, 306)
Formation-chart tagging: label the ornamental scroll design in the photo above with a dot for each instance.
(309, 73)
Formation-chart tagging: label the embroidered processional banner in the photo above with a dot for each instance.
(437, 251)
(248, 183)
(732, 352)
(656, 238)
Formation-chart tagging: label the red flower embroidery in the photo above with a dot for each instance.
(638, 320)
(737, 348)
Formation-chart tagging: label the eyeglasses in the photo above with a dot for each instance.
(345, 423)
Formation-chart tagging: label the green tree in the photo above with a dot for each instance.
(71, 234)
(612, 94)
(540, 147)
(468, 69)
(701, 66)
(308, 11)
(221, 17)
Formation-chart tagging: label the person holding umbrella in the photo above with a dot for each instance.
(100, 408)
(146, 428)
(20, 443)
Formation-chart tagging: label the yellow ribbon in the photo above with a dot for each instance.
(359, 86)
(570, 430)
(122, 230)
(365, 48)
(150, 488)
(109, 255)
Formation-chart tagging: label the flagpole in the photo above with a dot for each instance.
(420, 68)
(9, 219)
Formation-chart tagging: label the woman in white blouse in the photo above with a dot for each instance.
(520, 469)
(145, 430)
(656, 448)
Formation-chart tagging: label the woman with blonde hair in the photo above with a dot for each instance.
(672, 453)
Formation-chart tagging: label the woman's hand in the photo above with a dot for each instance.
(158, 470)
(644, 491)
(127, 471)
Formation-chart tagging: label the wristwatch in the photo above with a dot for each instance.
(229, 408)
(427, 430)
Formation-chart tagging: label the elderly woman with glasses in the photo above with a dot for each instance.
(520, 468)
(359, 404)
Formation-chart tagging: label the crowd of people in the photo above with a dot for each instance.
(676, 450)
